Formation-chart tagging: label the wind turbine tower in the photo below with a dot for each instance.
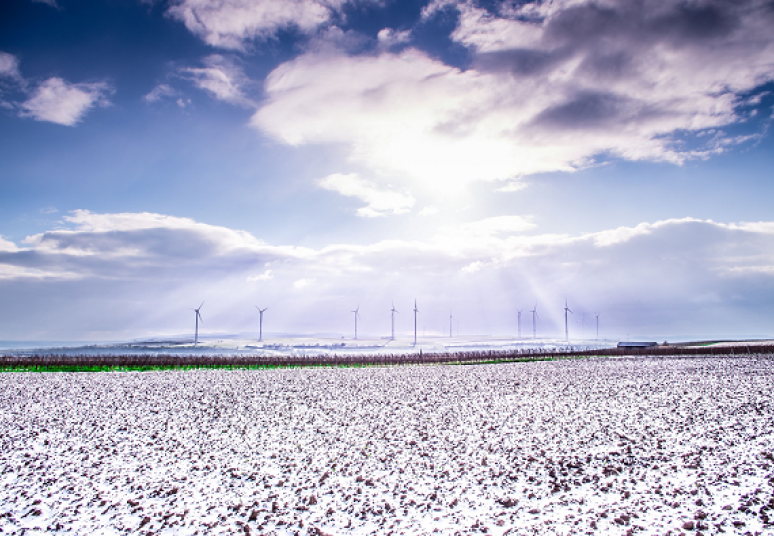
(518, 316)
(415, 322)
(260, 328)
(198, 317)
(393, 311)
(534, 324)
(597, 315)
(450, 325)
(357, 314)
(566, 330)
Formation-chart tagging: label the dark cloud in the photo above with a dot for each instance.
(633, 73)
(626, 23)
(585, 110)
(520, 62)
(689, 22)
(608, 36)
(608, 65)
(586, 23)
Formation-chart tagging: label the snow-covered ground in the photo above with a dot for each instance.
(584, 446)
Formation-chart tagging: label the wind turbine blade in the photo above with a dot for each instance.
(201, 305)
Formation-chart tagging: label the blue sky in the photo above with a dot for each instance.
(313, 155)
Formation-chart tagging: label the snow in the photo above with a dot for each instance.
(581, 446)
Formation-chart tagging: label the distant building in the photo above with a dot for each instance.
(636, 344)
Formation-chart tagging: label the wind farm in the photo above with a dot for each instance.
(391, 338)
(394, 338)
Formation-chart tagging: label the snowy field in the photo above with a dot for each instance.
(643, 446)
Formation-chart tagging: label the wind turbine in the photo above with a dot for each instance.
(566, 331)
(393, 311)
(357, 314)
(534, 324)
(519, 323)
(198, 317)
(260, 332)
(450, 324)
(415, 322)
(597, 315)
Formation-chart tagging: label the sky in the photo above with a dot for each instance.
(315, 156)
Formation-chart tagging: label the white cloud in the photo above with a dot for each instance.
(222, 78)
(436, 6)
(10, 272)
(387, 37)
(303, 283)
(513, 186)
(159, 92)
(553, 86)
(768, 270)
(396, 112)
(379, 201)
(429, 210)
(265, 276)
(7, 245)
(473, 267)
(621, 234)
(63, 103)
(231, 23)
(87, 221)
(9, 66)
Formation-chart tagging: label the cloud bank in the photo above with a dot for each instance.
(657, 277)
